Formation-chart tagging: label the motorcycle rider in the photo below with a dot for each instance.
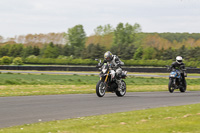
(115, 63)
(179, 65)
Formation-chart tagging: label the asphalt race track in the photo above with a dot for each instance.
(31, 109)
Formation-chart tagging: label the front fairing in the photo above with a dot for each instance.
(104, 70)
(175, 74)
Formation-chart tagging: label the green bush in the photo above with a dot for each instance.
(5, 60)
(18, 61)
(53, 61)
(62, 57)
(71, 61)
(32, 57)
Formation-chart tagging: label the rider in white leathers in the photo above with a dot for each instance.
(115, 63)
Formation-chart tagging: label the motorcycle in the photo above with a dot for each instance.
(107, 82)
(176, 80)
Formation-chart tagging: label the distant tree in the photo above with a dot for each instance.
(103, 37)
(21, 39)
(123, 41)
(182, 52)
(156, 41)
(87, 52)
(103, 30)
(76, 36)
(98, 31)
(169, 54)
(97, 51)
(66, 50)
(51, 51)
(138, 53)
(4, 50)
(16, 50)
(128, 52)
(36, 50)
(93, 51)
(125, 34)
(124, 51)
(149, 53)
(28, 51)
(77, 52)
(119, 34)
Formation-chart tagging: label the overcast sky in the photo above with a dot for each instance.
(21, 17)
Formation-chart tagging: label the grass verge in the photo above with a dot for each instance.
(43, 84)
(27, 90)
(46, 79)
(177, 119)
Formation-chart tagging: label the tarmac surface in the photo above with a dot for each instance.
(32, 109)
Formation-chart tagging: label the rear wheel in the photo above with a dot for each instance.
(100, 89)
(171, 86)
(122, 92)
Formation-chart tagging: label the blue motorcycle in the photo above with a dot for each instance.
(176, 80)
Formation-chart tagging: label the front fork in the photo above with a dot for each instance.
(105, 78)
(175, 84)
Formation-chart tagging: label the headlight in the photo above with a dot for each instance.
(172, 75)
(104, 70)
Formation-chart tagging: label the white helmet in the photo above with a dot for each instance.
(179, 59)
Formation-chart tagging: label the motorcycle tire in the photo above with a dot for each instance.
(100, 89)
(170, 88)
(183, 89)
(123, 91)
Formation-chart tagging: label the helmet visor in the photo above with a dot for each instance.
(108, 58)
(179, 61)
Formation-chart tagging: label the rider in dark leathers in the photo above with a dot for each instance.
(179, 65)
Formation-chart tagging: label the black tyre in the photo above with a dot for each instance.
(183, 89)
(100, 89)
(123, 90)
(170, 86)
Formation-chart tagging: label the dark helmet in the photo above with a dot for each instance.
(108, 56)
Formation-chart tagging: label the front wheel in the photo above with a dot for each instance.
(100, 89)
(122, 92)
(184, 87)
(171, 86)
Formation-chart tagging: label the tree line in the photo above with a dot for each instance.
(125, 40)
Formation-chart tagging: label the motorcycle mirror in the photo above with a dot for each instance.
(96, 59)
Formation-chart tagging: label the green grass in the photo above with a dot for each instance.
(42, 84)
(27, 90)
(44, 79)
(177, 119)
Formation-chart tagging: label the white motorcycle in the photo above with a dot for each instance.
(107, 82)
